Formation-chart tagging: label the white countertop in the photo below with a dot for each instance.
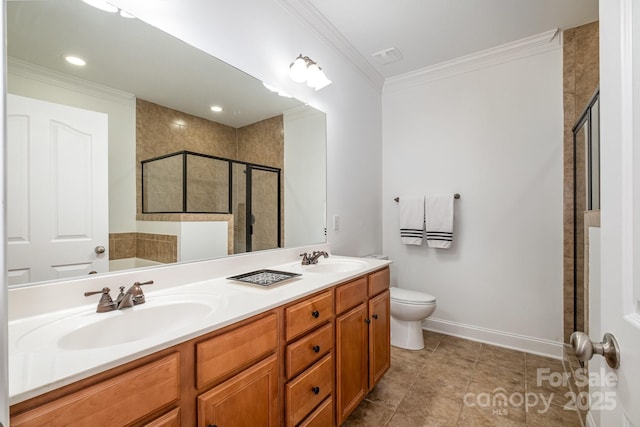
(37, 366)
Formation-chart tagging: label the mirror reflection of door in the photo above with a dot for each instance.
(57, 209)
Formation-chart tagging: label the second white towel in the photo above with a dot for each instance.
(439, 220)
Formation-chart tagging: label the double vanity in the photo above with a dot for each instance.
(203, 350)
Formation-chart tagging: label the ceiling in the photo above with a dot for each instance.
(136, 58)
(429, 32)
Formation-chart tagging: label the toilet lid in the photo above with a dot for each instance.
(413, 297)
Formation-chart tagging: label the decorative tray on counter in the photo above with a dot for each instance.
(264, 278)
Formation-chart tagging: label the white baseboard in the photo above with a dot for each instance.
(524, 343)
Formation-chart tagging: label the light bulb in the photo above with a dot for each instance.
(298, 70)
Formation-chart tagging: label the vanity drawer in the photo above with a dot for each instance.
(116, 402)
(308, 390)
(378, 282)
(170, 419)
(308, 314)
(219, 357)
(351, 294)
(308, 349)
(321, 417)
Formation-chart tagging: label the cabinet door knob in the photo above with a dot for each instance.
(316, 348)
(375, 316)
(367, 321)
(315, 390)
(315, 313)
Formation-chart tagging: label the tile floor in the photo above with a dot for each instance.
(457, 382)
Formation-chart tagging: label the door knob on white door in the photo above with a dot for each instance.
(100, 249)
(584, 348)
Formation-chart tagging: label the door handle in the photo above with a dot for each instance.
(584, 348)
(99, 249)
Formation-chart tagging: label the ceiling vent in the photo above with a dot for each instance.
(387, 56)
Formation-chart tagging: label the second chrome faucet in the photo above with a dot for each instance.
(313, 259)
(133, 296)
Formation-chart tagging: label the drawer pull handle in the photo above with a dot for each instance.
(315, 313)
(316, 348)
(212, 425)
(367, 321)
(315, 390)
(375, 316)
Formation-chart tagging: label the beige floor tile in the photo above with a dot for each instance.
(388, 392)
(555, 416)
(415, 356)
(504, 357)
(481, 417)
(369, 414)
(428, 388)
(432, 339)
(491, 376)
(404, 372)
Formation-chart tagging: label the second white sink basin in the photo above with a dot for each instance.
(331, 266)
(90, 330)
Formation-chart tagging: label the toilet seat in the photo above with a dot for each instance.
(407, 296)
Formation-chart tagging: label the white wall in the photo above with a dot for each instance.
(262, 37)
(493, 133)
(304, 176)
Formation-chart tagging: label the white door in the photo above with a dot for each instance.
(57, 195)
(620, 201)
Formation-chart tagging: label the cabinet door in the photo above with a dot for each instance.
(379, 337)
(248, 399)
(351, 360)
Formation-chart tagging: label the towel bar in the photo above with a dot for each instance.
(455, 196)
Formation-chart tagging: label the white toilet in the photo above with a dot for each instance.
(408, 310)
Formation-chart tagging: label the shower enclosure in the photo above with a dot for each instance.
(188, 182)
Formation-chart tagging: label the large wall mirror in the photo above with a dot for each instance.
(249, 177)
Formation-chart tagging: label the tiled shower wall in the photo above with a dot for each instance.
(161, 130)
(581, 77)
(154, 247)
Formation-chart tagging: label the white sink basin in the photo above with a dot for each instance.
(331, 266)
(90, 330)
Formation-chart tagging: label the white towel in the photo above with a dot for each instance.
(411, 219)
(439, 220)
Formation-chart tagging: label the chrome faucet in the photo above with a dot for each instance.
(133, 296)
(313, 259)
(106, 303)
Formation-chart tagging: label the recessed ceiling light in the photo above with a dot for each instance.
(75, 60)
(102, 5)
(216, 109)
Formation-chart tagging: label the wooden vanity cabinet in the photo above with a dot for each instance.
(308, 363)
(363, 347)
(309, 367)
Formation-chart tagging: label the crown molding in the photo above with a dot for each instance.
(529, 46)
(31, 71)
(307, 13)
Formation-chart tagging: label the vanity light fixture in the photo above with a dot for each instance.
(216, 109)
(75, 60)
(304, 69)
